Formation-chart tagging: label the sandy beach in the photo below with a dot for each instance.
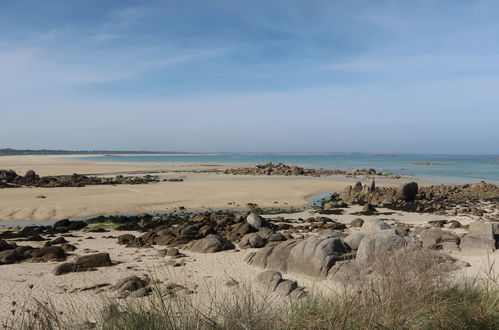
(204, 275)
(199, 191)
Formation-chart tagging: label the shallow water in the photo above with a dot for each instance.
(460, 168)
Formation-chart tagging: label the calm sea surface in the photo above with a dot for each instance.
(460, 168)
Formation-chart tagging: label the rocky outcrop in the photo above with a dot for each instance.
(9, 178)
(431, 199)
(290, 170)
(313, 256)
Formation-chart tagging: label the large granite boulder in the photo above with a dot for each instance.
(210, 244)
(313, 256)
(480, 237)
(373, 247)
(353, 239)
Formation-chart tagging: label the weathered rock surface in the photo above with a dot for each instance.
(377, 246)
(481, 237)
(84, 263)
(132, 284)
(271, 281)
(313, 256)
(252, 240)
(210, 244)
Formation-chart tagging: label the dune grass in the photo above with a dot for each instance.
(409, 289)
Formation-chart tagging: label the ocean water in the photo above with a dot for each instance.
(460, 168)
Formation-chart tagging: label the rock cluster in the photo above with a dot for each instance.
(326, 256)
(10, 179)
(11, 253)
(33, 233)
(291, 170)
(434, 199)
(209, 232)
(271, 281)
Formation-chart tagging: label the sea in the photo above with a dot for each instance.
(451, 168)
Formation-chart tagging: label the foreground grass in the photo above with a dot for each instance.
(406, 290)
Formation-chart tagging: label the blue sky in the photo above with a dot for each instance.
(221, 75)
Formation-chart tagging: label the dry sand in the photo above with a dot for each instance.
(205, 274)
(198, 191)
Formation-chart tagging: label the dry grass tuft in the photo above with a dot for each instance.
(408, 289)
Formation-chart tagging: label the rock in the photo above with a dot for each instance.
(172, 252)
(59, 240)
(9, 257)
(353, 239)
(239, 230)
(49, 253)
(272, 282)
(313, 256)
(407, 192)
(210, 244)
(368, 209)
(480, 237)
(269, 280)
(84, 263)
(61, 223)
(4, 245)
(285, 287)
(435, 238)
(127, 285)
(276, 237)
(252, 240)
(377, 246)
(374, 225)
(68, 247)
(174, 263)
(125, 239)
(357, 222)
(254, 220)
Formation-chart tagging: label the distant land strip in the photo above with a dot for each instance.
(11, 152)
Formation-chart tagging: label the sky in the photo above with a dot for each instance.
(414, 76)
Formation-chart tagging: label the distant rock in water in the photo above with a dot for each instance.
(291, 170)
(427, 163)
